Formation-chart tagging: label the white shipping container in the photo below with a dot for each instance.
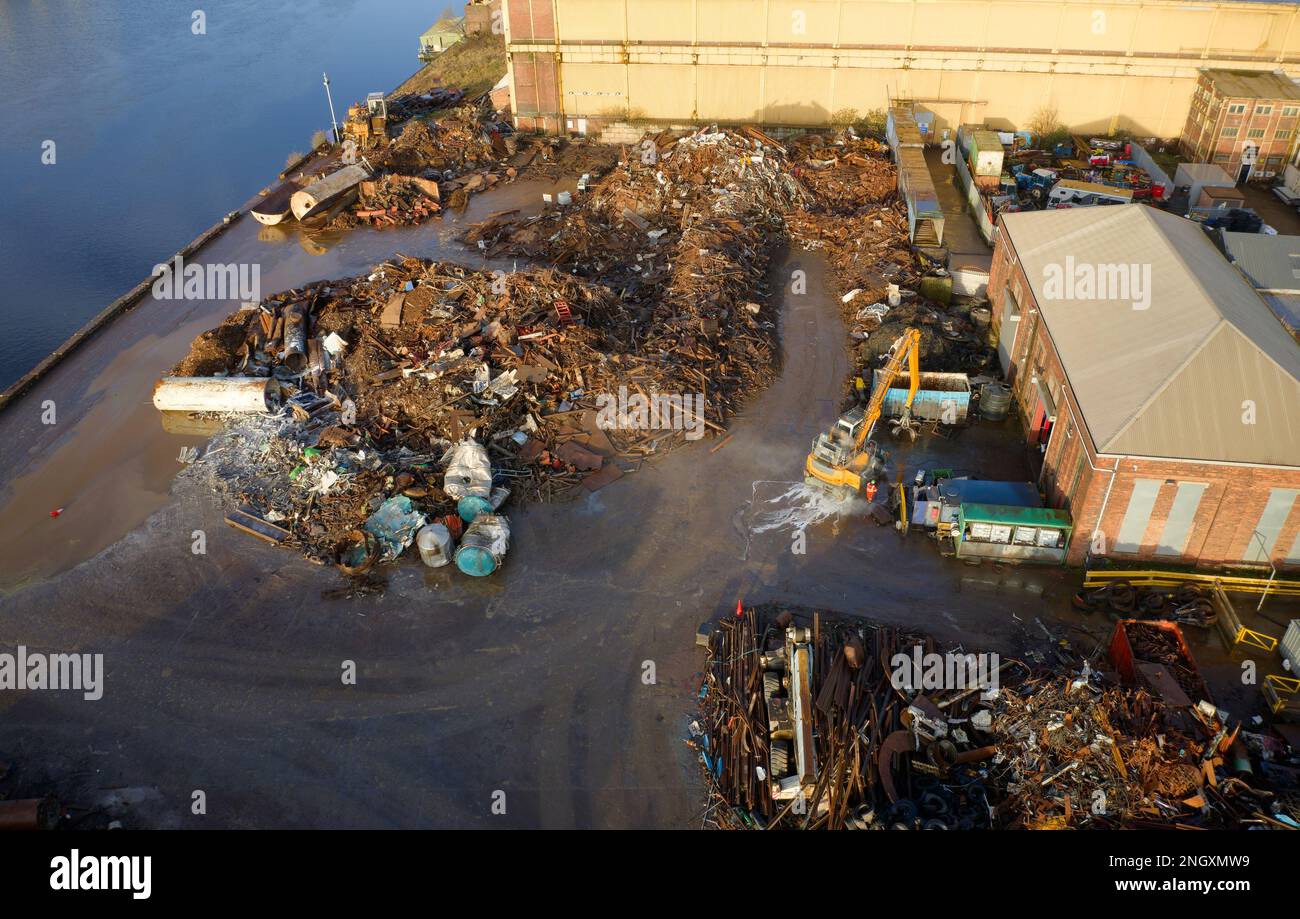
(1290, 646)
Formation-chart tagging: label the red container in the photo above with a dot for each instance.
(1121, 650)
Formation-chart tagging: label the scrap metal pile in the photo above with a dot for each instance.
(413, 105)
(684, 227)
(822, 722)
(436, 165)
(554, 158)
(856, 219)
(846, 173)
(429, 166)
(459, 142)
(371, 381)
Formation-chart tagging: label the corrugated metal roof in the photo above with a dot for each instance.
(1286, 307)
(1252, 84)
(1204, 173)
(1172, 379)
(1271, 263)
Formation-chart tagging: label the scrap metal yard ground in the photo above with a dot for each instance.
(223, 670)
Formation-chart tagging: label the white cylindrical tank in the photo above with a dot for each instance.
(319, 195)
(215, 394)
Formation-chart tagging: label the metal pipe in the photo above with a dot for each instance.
(29, 814)
(295, 337)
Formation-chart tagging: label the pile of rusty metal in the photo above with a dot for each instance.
(413, 105)
(456, 143)
(816, 721)
(1078, 753)
(805, 723)
(854, 218)
(867, 252)
(397, 200)
(370, 382)
(554, 158)
(845, 172)
(685, 221)
(430, 166)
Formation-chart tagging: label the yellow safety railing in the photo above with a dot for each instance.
(1255, 639)
(1273, 689)
(1286, 684)
(1279, 587)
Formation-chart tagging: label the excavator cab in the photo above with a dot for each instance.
(836, 446)
(839, 460)
(842, 460)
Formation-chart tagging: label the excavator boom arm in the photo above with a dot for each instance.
(907, 349)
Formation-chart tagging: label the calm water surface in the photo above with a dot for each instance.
(158, 132)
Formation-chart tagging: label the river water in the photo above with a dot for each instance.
(157, 132)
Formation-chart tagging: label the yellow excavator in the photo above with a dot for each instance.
(844, 458)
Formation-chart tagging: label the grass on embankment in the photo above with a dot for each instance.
(475, 65)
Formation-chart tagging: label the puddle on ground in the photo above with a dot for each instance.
(802, 506)
(111, 463)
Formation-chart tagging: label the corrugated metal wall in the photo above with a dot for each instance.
(1101, 65)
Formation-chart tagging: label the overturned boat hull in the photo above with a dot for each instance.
(275, 207)
(320, 196)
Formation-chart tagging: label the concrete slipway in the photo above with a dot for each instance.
(223, 670)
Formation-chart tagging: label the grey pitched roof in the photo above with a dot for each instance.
(1252, 84)
(1271, 263)
(1169, 380)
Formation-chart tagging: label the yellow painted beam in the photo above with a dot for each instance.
(1279, 587)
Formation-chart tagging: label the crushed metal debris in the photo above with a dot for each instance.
(815, 721)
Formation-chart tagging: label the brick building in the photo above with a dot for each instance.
(484, 17)
(1163, 394)
(1243, 120)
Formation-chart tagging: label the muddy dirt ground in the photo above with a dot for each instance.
(223, 669)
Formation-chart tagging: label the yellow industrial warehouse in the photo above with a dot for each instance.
(577, 64)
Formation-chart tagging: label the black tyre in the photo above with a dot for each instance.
(780, 759)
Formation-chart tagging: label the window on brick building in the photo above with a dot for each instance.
(1138, 514)
(1178, 525)
(1259, 547)
(1264, 110)
(1255, 132)
(1289, 110)
(1220, 157)
(1282, 135)
(1236, 108)
(1229, 132)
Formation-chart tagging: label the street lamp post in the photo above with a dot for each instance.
(1272, 572)
(325, 77)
